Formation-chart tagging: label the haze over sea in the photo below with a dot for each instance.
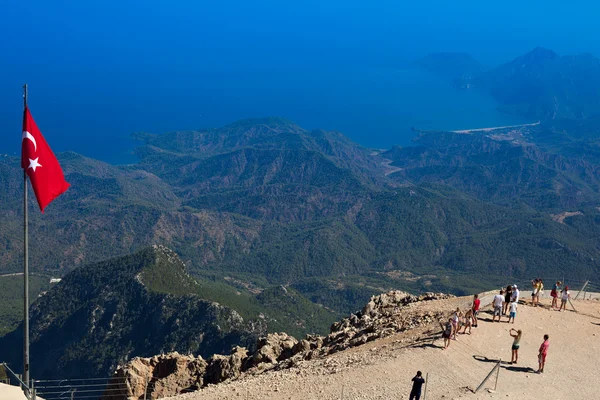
(374, 107)
(99, 71)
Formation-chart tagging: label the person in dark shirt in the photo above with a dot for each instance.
(507, 296)
(418, 381)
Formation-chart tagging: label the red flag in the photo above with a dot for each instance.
(41, 165)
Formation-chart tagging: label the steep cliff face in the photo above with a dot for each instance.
(103, 314)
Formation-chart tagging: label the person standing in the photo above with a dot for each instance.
(418, 381)
(446, 332)
(516, 344)
(565, 295)
(468, 321)
(540, 292)
(497, 302)
(554, 294)
(513, 312)
(475, 308)
(543, 352)
(534, 287)
(455, 322)
(507, 297)
(515, 294)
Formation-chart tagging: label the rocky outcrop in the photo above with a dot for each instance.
(382, 316)
(272, 349)
(171, 374)
(221, 368)
(156, 377)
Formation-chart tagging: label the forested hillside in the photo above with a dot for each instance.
(261, 203)
(143, 304)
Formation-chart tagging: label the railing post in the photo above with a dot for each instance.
(582, 289)
(497, 374)
(488, 377)
(146, 388)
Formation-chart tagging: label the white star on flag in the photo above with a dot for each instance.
(34, 164)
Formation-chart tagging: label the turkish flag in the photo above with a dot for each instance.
(42, 167)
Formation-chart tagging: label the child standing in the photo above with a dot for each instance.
(565, 295)
(513, 312)
(455, 320)
(543, 352)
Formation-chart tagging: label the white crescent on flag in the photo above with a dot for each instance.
(27, 135)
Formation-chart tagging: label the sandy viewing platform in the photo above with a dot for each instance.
(383, 369)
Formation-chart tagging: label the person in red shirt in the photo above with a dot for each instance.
(475, 308)
(542, 354)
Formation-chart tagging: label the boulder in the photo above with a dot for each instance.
(156, 377)
(221, 367)
(271, 349)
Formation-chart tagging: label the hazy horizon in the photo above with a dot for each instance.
(99, 71)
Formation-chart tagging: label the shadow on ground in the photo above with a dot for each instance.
(504, 364)
(520, 369)
(489, 360)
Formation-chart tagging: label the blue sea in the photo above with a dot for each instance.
(376, 107)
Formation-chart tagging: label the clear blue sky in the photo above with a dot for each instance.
(99, 70)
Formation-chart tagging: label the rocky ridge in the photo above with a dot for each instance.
(173, 373)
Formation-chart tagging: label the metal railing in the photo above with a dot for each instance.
(101, 388)
(496, 369)
(28, 391)
(75, 389)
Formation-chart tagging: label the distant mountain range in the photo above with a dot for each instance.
(280, 228)
(288, 229)
(267, 202)
(539, 85)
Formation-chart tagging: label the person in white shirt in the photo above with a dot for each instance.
(513, 312)
(565, 295)
(497, 303)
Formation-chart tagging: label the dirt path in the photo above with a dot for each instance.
(383, 369)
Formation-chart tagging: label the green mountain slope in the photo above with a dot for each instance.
(11, 306)
(144, 304)
(536, 165)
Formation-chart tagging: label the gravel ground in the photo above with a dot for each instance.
(383, 369)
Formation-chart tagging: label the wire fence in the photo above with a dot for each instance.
(106, 389)
(74, 389)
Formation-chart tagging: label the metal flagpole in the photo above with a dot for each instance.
(25, 272)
